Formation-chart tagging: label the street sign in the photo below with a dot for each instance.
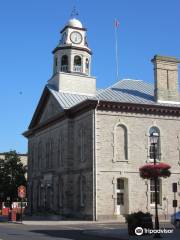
(21, 191)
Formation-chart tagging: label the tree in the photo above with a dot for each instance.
(12, 175)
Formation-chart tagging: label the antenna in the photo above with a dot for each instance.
(74, 12)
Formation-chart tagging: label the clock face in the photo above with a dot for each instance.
(76, 37)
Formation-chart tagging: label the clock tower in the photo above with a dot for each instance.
(72, 60)
(72, 53)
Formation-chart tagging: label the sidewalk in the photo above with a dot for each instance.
(65, 222)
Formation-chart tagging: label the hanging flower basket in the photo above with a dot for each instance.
(151, 170)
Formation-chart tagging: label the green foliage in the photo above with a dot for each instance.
(12, 175)
(138, 219)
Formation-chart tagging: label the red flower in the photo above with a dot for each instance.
(151, 170)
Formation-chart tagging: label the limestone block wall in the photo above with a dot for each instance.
(55, 173)
(108, 169)
(166, 78)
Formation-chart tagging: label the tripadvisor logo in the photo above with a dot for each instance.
(138, 231)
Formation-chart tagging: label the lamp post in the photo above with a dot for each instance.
(154, 138)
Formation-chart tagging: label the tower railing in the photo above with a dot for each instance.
(64, 68)
(77, 69)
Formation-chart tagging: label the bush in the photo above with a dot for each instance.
(138, 219)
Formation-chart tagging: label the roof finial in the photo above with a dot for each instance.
(74, 12)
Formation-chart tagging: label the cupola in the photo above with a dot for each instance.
(72, 61)
(72, 54)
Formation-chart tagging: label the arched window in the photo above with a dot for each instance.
(55, 64)
(154, 130)
(51, 153)
(121, 143)
(60, 159)
(77, 64)
(64, 63)
(47, 154)
(82, 144)
(39, 155)
(31, 156)
(87, 65)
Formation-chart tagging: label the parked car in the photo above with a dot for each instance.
(175, 219)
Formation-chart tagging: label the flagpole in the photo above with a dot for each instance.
(116, 49)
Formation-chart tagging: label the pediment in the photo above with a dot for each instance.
(51, 109)
(47, 108)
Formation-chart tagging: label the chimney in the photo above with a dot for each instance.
(166, 79)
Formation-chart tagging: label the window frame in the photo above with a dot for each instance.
(77, 67)
(159, 185)
(64, 63)
(126, 143)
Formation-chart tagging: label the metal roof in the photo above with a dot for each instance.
(68, 100)
(126, 90)
(132, 91)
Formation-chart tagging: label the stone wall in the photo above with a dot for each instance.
(137, 195)
(48, 170)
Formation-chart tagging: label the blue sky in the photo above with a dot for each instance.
(29, 30)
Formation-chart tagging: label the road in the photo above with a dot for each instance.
(10, 231)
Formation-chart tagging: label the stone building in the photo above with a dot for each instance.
(86, 145)
(22, 156)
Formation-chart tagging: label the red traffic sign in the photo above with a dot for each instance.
(21, 191)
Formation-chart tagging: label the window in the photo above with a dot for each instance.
(47, 154)
(120, 189)
(39, 155)
(120, 184)
(82, 144)
(60, 151)
(121, 143)
(77, 64)
(64, 63)
(39, 195)
(51, 153)
(152, 191)
(61, 192)
(55, 64)
(154, 149)
(56, 61)
(120, 198)
(82, 190)
(32, 156)
(87, 65)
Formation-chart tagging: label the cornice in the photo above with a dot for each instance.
(72, 47)
(76, 28)
(106, 106)
(139, 108)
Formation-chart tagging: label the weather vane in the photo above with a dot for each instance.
(74, 12)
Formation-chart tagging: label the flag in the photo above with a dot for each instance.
(116, 23)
